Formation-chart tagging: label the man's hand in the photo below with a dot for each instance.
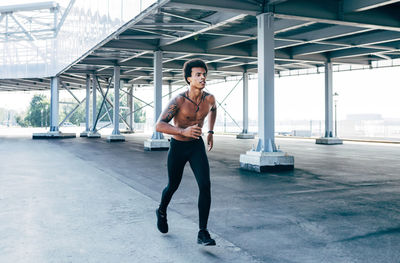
(192, 132)
(210, 141)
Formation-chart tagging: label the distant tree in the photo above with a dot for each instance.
(140, 115)
(21, 121)
(78, 116)
(39, 111)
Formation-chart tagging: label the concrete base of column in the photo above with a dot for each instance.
(245, 136)
(266, 161)
(156, 145)
(53, 135)
(329, 140)
(84, 134)
(93, 134)
(115, 138)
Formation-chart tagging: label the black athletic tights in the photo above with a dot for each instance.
(179, 153)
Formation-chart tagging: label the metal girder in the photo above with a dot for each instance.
(187, 18)
(376, 37)
(327, 12)
(64, 16)
(69, 91)
(161, 25)
(281, 26)
(216, 20)
(363, 5)
(242, 7)
(28, 7)
(352, 52)
(334, 31)
(30, 36)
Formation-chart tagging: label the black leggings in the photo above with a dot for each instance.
(179, 153)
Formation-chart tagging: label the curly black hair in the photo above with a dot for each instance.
(193, 63)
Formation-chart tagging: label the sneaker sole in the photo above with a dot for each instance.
(205, 244)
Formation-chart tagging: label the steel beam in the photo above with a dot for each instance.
(328, 100)
(241, 7)
(54, 85)
(87, 108)
(266, 74)
(94, 102)
(329, 138)
(64, 16)
(169, 90)
(117, 83)
(28, 7)
(130, 103)
(363, 5)
(245, 102)
(157, 91)
(323, 12)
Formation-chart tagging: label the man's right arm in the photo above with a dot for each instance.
(167, 115)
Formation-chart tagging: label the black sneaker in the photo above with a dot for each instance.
(204, 238)
(162, 221)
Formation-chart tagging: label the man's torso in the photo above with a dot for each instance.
(190, 114)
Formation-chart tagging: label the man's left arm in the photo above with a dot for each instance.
(212, 116)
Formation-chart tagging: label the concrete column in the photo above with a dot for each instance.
(130, 107)
(157, 141)
(170, 90)
(266, 157)
(266, 75)
(116, 135)
(93, 131)
(245, 102)
(94, 102)
(116, 99)
(245, 134)
(157, 90)
(328, 100)
(54, 119)
(328, 138)
(87, 109)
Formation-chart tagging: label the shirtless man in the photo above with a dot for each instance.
(189, 109)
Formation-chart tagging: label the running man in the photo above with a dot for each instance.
(189, 109)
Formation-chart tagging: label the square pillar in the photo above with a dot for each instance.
(266, 157)
(131, 115)
(93, 131)
(116, 135)
(54, 132)
(157, 141)
(87, 108)
(328, 138)
(54, 119)
(245, 134)
(170, 90)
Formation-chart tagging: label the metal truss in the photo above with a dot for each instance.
(32, 22)
(76, 106)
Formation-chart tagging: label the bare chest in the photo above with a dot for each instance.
(192, 113)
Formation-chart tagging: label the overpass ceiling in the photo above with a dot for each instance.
(308, 33)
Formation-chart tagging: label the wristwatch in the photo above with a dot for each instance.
(212, 132)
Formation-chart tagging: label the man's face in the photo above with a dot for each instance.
(198, 78)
